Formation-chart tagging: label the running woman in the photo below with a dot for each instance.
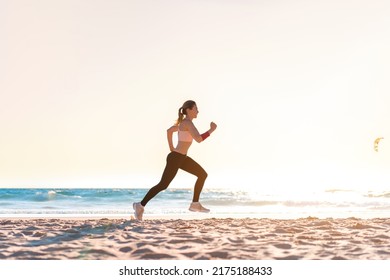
(178, 158)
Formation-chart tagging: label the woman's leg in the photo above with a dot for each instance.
(174, 160)
(191, 166)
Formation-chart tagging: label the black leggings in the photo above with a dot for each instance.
(174, 162)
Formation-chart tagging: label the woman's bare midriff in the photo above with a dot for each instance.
(182, 147)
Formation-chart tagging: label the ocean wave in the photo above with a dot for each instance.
(384, 195)
(231, 202)
(118, 201)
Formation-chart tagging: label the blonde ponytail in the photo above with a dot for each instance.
(181, 116)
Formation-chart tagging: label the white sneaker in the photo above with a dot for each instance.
(138, 210)
(197, 207)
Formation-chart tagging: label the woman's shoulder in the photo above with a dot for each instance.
(173, 128)
(185, 124)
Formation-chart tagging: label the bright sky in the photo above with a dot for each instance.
(299, 91)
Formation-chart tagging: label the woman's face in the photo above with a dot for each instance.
(193, 113)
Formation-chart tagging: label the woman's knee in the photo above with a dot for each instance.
(162, 186)
(203, 175)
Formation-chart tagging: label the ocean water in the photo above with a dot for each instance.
(87, 202)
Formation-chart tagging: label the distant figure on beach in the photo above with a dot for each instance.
(178, 158)
(376, 143)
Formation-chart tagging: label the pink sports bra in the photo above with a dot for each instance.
(184, 136)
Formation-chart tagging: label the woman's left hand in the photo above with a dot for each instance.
(213, 126)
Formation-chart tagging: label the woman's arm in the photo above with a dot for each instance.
(195, 133)
(170, 131)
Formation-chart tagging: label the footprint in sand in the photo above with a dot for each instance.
(283, 246)
(156, 256)
(126, 249)
(219, 255)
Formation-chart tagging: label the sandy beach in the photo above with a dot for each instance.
(198, 239)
